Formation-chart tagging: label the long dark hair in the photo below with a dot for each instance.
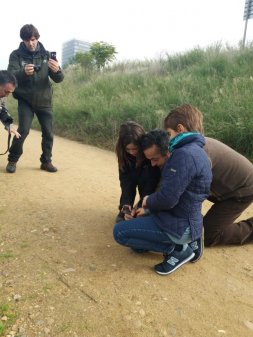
(129, 133)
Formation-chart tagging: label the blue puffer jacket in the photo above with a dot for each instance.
(185, 184)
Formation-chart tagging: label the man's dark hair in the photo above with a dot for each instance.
(7, 77)
(28, 31)
(156, 137)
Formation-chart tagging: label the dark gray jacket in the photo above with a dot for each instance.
(36, 89)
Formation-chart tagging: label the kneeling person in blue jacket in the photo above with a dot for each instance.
(174, 226)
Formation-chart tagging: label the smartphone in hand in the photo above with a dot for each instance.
(126, 209)
(53, 55)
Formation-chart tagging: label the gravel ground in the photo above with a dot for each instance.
(62, 274)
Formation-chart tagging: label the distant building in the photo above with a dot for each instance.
(71, 47)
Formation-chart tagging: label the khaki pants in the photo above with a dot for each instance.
(220, 227)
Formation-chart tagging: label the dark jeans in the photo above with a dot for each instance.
(219, 223)
(143, 233)
(25, 118)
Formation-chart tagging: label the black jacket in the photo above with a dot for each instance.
(144, 178)
(36, 89)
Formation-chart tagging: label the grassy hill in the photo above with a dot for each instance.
(90, 106)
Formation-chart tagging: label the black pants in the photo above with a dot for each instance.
(25, 118)
(220, 227)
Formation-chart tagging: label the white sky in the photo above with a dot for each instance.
(139, 29)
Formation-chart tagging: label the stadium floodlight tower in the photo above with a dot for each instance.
(248, 14)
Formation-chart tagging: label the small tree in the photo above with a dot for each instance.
(102, 53)
(86, 60)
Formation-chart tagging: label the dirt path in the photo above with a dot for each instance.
(63, 274)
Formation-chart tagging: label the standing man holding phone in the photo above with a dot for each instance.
(33, 67)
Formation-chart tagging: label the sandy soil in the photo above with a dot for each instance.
(63, 274)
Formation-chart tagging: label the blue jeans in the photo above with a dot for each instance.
(143, 233)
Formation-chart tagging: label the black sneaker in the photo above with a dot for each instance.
(173, 261)
(49, 167)
(11, 167)
(197, 247)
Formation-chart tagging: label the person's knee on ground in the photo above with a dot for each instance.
(211, 239)
(237, 233)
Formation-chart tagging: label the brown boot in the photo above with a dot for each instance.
(49, 167)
